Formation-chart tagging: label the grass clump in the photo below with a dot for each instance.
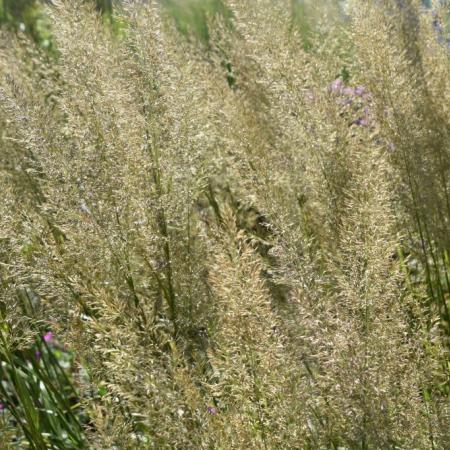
(238, 245)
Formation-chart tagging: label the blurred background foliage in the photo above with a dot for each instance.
(26, 15)
(191, 16)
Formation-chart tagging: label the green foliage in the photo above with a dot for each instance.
(39, 399)
(191, 16)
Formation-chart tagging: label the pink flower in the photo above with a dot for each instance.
(212, 410)
(48, 337)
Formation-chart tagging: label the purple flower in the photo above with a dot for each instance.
(2, 406)
(360, 90)
(337, 85)
(37, 355)
(48, 337)
(212, 410)
(348, 91)
(361, 121)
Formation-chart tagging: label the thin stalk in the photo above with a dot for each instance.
(162, 225)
